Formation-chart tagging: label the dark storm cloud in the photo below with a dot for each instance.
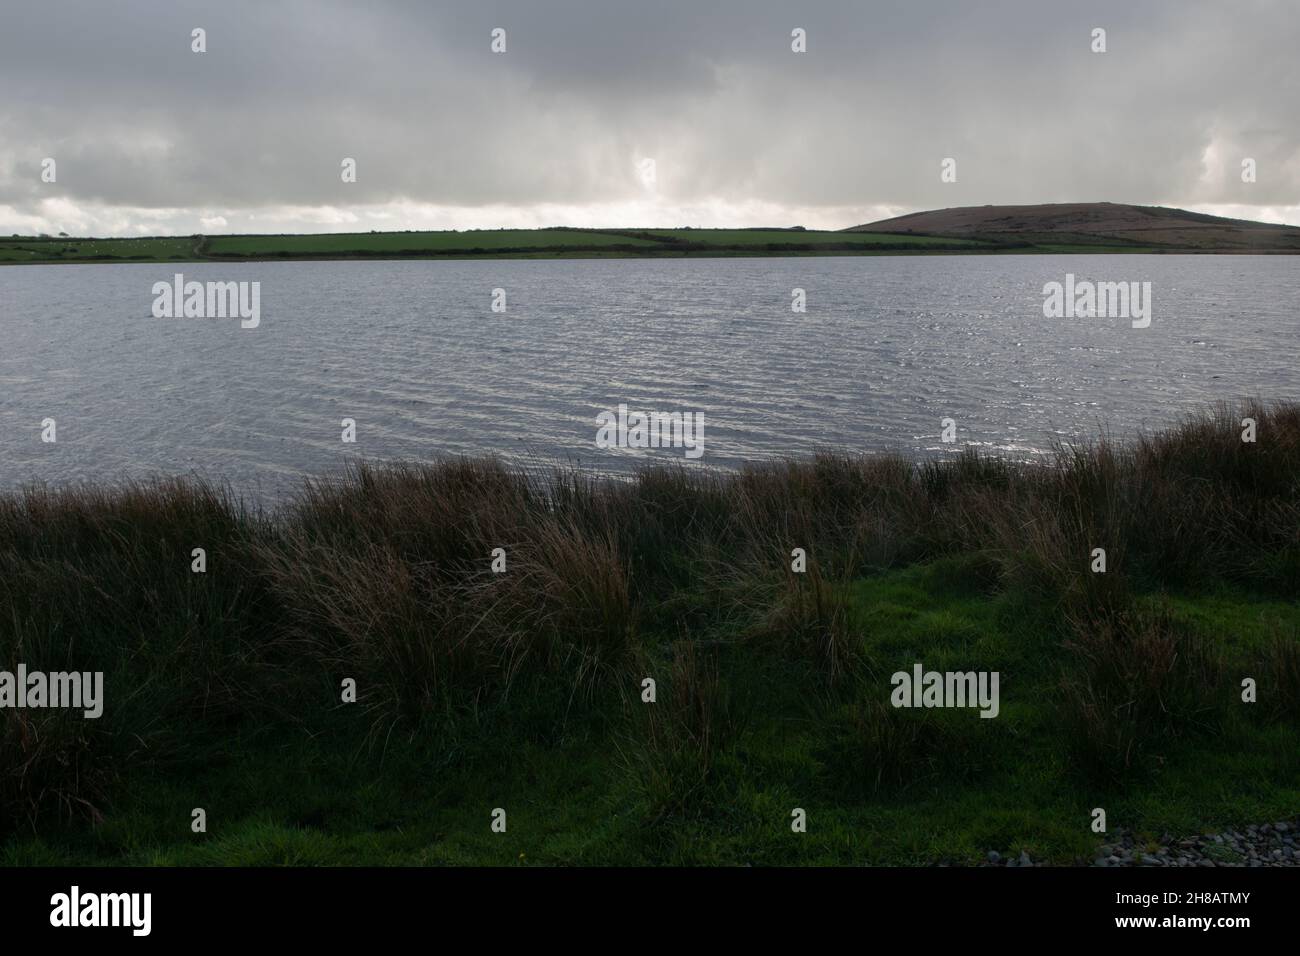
(711, 91)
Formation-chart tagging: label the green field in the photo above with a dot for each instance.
(784, 237)
(107, 250)
(490, 243)
(418, 243)
(522, 690)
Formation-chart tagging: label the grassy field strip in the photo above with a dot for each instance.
(522, 243)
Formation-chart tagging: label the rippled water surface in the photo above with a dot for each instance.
(412, 351)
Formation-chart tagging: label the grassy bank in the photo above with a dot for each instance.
(522, 689)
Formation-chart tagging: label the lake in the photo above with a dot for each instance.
(413, 352)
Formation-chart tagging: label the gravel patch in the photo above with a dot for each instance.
(1268, 844)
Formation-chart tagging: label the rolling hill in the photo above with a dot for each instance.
(1109, 226)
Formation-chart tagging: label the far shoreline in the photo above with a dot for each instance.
(1044, 229)
(701, 254)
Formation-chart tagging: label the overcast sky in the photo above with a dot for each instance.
(151, 138)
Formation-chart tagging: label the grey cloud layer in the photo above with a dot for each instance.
(711, 91)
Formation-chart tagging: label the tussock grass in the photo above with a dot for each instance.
(385, 576)
(678, 739)
(1281, 676)
(1136, 680)
(881, 749)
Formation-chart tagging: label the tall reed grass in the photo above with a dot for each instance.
(385, 576)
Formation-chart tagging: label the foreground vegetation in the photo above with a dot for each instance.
(522, 690)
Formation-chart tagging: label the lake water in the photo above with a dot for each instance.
(412, 351)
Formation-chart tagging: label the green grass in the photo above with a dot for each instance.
(544, 244)
(331, 799)
(490, 243)
(414, 243)
(1088, 248)
(521, 690)
(782, 237)
(76, 250)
